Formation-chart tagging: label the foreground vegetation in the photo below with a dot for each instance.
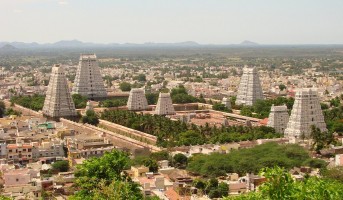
(103, 178)
(281, 185)
(175, 133)
(252, 160)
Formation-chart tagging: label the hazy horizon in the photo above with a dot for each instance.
(162, 21)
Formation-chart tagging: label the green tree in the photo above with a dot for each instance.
(34, 102)
(113, 103)
(152, 98)
(335, 173)
(152, 164)
(221, 107)
(11, 111)
(248, 160)
(125, 86)
(79, 100)
(190, 137)
(281, 185)
(282, 87)
(90, 118)
(320, 140)
(161, 155)
(2, 109)
(140, 78)
(117, 190)
(180, 160)
(61, 166)
(95, 175)
(335, 102)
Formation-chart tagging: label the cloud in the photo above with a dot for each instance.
(63, 2)
(17, 11)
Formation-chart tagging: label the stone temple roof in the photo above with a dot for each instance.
(279, 108)
(87, 56)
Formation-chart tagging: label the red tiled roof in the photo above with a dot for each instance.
(264, 121)
(12, 146)
(173, 195)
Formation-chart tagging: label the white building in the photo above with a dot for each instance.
(278, 118)
(164, 105)
(137, 100)
(52, 148)
(249, 89)
(88, 80)
(305, 113)
(226, 102)
(58, 101)
(3, 150)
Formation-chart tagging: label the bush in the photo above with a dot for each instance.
(79, 101)
(180, 160)
(221, 107)
(61, 166)
(90, 118)
(125, 86)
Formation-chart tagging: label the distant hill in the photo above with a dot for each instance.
(8, 47)
(248, 43)
(80, 44)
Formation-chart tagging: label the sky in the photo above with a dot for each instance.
(168, 21)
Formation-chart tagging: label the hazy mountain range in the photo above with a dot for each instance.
(80, 44)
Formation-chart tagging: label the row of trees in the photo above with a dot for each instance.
(36, 101)
(252, 160)
(175, 133)
(113, 103)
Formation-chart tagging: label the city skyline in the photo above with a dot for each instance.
(202, 21)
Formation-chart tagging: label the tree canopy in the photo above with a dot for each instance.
(2, 108)
(249, 160)
(61, 166)
(125, 86)
(281, 185)
(79, 101)
(102, 178)
(34, 102)
(180, 95)
(90, 118)
(221, 107)
(261, 108)
(113, 103)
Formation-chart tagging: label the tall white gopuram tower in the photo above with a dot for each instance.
(249, 89)
(278, 118)
(306, 112)
(137, 100)
(58, 101)
(164, 105)
(88, 81)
